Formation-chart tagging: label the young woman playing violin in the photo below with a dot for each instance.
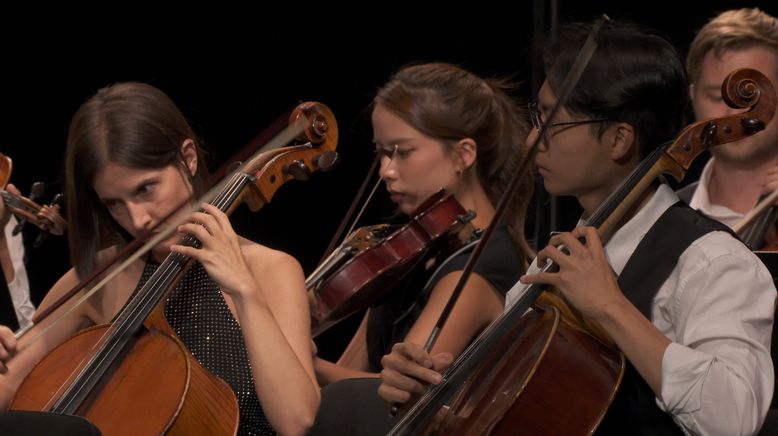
(240, 310)
(697, 342)
(438, 126)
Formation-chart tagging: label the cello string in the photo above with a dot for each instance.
(131, 317)
(101, 350)
(754, 213)
(226, 168)
(171, 269)
(282, 138)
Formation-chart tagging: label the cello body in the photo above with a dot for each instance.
(537, 373)
(178, 395)
(134, 376)
(530, 375)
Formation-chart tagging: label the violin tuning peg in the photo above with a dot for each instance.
(299, 170)
(327, 160)
(37, 189)
(57, 200)
(18, 228)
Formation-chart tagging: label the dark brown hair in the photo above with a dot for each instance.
(131, 124)
(449, 103)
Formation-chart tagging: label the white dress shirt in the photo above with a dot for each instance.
(20, 285)
(701, 200)
(717, 308)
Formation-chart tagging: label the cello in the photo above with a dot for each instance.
(518, 373)
(757, 228)
(105, 373)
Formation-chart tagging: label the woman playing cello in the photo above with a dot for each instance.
(241, 309)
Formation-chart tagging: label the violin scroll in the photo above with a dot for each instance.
(46, 218)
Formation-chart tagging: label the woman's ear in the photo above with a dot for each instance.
(189, 152)
(466, 151)
(623, 142)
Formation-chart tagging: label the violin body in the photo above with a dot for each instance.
(369, 275)
(178, 397)
(24, 207)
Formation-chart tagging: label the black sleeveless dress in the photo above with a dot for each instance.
(200, 317)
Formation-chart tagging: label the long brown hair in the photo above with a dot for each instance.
(131, 124)
(449, 103)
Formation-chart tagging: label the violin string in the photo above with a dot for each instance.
(330, 251)
(372, 192)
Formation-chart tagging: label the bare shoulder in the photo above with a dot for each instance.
(262, 259)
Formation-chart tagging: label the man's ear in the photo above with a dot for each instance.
(189, 152)
(623, 142)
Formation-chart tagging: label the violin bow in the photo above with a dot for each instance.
(571, 79)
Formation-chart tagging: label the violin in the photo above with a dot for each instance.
(519, 372)
(111, 374)
(27, 209)
(374, 258)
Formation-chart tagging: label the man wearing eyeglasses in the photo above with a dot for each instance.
(687, 303)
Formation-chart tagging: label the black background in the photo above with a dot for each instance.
(235, 67)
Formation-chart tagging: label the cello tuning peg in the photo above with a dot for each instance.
(327, 160)
(233, 167)
(299, 170)
(708, 133)
(752, 125)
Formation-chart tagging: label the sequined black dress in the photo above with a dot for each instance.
(200, 317)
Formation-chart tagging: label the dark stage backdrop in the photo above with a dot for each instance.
(235, 67)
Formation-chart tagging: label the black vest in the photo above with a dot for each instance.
(634, 410)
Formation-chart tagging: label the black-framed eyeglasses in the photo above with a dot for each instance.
(534, 117)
